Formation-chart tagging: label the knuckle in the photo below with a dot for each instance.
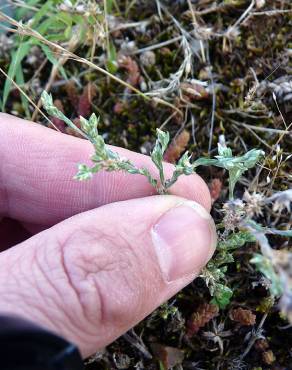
(103, 275)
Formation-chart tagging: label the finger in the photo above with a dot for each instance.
(37, 168)
(95, 275)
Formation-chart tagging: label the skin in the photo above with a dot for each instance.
(89, 260)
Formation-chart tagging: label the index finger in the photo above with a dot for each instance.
(37, 168)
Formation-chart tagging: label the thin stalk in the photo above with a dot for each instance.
(27, 31)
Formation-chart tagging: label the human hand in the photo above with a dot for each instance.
(109, 252)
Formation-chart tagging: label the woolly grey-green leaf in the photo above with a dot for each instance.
(48, 104)
(265, 266)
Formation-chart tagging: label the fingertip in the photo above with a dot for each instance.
(45, 192)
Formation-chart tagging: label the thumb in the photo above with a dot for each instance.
(95, 275)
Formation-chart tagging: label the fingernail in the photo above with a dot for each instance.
(184, 239)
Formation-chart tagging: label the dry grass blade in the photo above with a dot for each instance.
(27, 31)
(72, 45)
(28, 98)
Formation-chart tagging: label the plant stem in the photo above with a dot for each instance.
(254, 337)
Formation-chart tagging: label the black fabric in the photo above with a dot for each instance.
(26, 346)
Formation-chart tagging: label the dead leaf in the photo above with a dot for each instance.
(194, 91)
(242, 316)
(177, 147)
(215, 189)
(204, 313)
(85, 100)
(131, 66)
(169, 356)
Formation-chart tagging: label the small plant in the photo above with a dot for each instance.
(214, 272)
(275, 265)
(105, 159)
(239, 228)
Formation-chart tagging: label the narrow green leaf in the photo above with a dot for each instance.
(112, 64)
(65, 18)
(49, 54)
(44, 11)
(17, 58)
(19, 79)
(109, 6)
(22, 11)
